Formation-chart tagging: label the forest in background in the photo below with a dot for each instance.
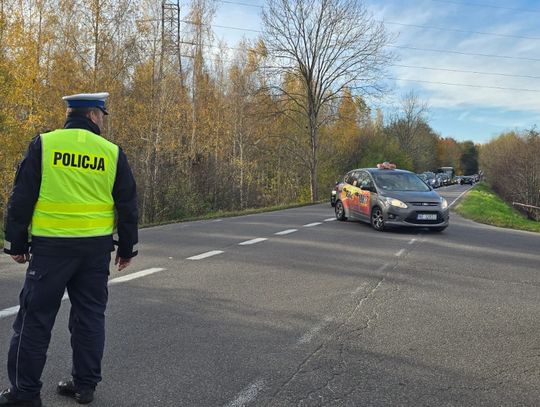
(201, 126)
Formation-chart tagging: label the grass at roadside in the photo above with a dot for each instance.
(482, 205)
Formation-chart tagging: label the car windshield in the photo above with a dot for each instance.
(399, 181)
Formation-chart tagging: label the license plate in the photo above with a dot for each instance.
(427, 216)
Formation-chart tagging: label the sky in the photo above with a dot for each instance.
(476, 64)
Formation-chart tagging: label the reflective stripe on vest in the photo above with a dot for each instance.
(75, 197)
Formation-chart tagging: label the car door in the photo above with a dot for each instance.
(345, 194)
(349, 194)
(355, 194)
(364, 198)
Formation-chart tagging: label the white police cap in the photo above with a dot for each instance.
(83, 100)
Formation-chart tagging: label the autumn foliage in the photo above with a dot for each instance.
(199, 123)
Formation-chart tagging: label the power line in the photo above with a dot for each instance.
(432, 68)
(445, 51)
(418, 67)
(432, 27)
(436, 1)
(395, 46)
(392, 46)
(240, 4)
(466, 85)
(429, 27)
(221, 26)
(486, 5)
(465, 71)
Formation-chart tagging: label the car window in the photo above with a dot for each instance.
(399, 181)
(354, 179)
(364, 180)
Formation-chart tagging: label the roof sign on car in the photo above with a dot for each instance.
(386, 166)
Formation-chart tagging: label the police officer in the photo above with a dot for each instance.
(71, 189)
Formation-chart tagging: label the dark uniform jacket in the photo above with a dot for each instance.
(25, 195)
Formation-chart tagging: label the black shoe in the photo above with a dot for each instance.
(82, 396)
(8, 399)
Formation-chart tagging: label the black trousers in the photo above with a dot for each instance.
(47, 278)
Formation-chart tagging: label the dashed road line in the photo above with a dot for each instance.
(253, 241)
(9, 312)
(309, 225)
(286, 232)
(13, 310)
(248, 394)
(361, 287)
(133, 276)
(329, 219)
(398, 254)
(412, 241)
(308, 336)
(205, 255)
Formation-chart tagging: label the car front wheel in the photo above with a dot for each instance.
(377, 219)
(340, 211)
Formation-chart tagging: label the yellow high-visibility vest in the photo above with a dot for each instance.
(75, 197)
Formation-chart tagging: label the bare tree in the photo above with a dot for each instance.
(327, 46)
(409, 126)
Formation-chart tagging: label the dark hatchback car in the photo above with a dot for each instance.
(466, 179)
(387, 197)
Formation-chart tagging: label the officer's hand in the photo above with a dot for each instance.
(21, 258)
(121, 262)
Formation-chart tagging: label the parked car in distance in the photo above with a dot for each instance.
(466, 179)
(444, 179)
(432, 179)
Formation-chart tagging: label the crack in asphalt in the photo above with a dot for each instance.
(338, 334)
(341, 333)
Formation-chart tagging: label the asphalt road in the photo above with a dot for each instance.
(330, 314)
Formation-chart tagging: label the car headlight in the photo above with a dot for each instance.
(396, 202)
(444, 203)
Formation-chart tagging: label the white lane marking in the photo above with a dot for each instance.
(309, 225)
(361, 287)
(248, 394)
(308, 336)
(412, 241)
(133, 276)
(329, 219)
(13, 310)
(286, 232)
(9, 312)
(205, 255)
(400, 252)
(460, 195)
(253, 241)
